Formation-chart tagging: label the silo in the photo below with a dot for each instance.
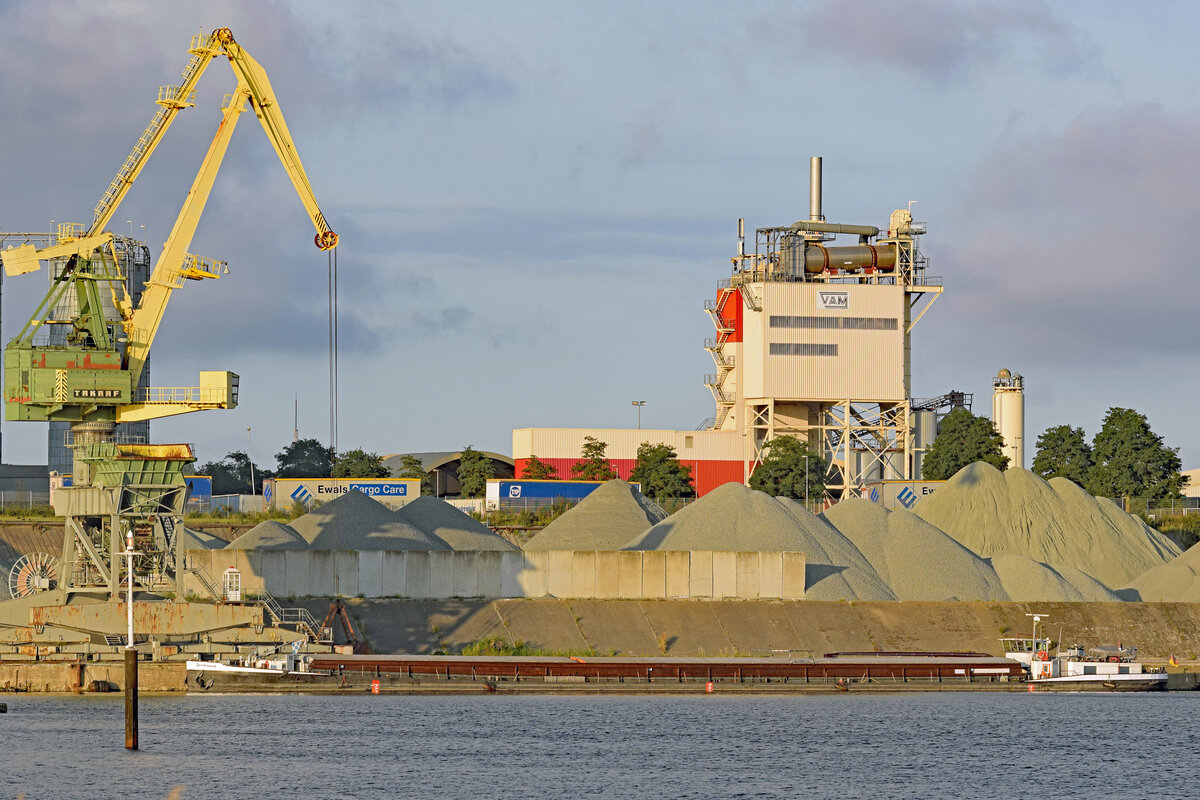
(1008, 414)
(924, 422)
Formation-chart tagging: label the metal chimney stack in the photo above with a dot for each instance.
(814, 190)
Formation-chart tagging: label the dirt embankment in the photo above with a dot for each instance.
(728, 628)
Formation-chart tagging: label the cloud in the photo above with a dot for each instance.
(1075, 242)
(943, 41)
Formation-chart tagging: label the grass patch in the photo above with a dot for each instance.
(499, 645)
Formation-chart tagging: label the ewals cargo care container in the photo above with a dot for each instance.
(311, 492)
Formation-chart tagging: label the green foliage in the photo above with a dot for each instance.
(359, 464)
(229, 516)
(536, 517)
(231, 475)
(592, 464)
(1063, 452)
(412, 468)
(16, 511)
(963, 439)
(1183, 529)
(474, 469)
(304, 458)
(659, 472)
(1132, 461)
(789, 469)
(538, 470)
(499, 645)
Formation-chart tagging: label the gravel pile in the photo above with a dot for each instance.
(607, 519)
(356, 522)
(1016, 512)
(456, 528)
(1032, 581)
(199, 540)
(1177, 581)
(916, 560)
(734, 517)
(269, 535)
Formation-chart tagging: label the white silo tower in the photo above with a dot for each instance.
(1008, 414)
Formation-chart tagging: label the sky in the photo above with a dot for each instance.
(535, 199)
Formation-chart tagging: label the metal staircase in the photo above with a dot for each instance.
(201, 575)
(301, 618)
(725, 362)
(170, 99)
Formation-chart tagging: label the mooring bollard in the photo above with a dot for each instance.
(131, 698)
(3, 708)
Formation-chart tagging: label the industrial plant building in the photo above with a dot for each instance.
(811, 340)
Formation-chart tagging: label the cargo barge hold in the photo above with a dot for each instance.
(423, 674)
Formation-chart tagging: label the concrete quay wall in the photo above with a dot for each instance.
(490, 575)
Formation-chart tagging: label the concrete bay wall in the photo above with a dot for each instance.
(574, 574)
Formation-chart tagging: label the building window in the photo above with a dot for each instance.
(834, 323)
(802, 349)
(687, 441)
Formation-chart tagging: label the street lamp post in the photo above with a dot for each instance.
(131, 654)
(639, 404)
(250, 456)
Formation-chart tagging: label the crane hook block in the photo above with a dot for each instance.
(326, 241)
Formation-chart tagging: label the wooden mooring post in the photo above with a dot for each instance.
(131, 699)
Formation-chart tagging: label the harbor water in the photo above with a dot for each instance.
(931, 745)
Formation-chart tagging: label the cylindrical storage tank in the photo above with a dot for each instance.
(924, 424)
(1008, 415)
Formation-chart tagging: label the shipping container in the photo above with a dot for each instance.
(898, 494)
(507, 494)
(311, 492)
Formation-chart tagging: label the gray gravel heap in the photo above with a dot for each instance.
(1177, 581)
(607, 519)
(356, 522)
(1032, 581)
(199, 540)
(916, 560)
(1058, 523)
(458, 529)
(269, 535)
(734, 517)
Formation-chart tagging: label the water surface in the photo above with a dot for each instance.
(942, 745)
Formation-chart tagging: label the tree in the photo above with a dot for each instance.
(537, 470)
(231, 475)
(412, 468)
(1063, 452)
(1130, 460)
(790, 469)
(659, 472)
(359, 464)
(963, 439)
(304, 458)
(592, 464)
(474, 469)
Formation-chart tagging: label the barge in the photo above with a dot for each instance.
(782, 673)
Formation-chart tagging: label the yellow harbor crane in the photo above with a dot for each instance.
(80, 362)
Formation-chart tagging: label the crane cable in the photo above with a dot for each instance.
(333, 351)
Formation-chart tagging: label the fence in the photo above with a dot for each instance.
(24, 499)
(1158, 508)
(574, 574)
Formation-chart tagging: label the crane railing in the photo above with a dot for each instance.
(179, 394)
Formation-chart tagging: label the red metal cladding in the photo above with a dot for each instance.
(729, 307)
(706, 474)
